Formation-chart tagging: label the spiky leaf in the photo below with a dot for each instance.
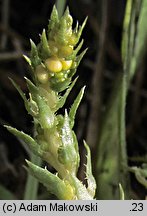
(75, 106)
(54, 19)
(81, 29)
(89, 176)
(32, 88)
(79, 57)
(81, 191)
(52, 182)
(64, 97)
(75, 52)
(20, 92)
(28, 60)
(66, 153)
(59, 86)
(34, 55)
(46, 117)
(27, 139)
(30, 105)
(45, 50)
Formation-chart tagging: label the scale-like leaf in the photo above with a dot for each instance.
(64, 97)
(52, 182)
(75, 52)
(34, 55)
(20, 92)
(45, 50)
(81, 191)
(27, 139)
(75, 106)
(89, 176)
(81, 29)
(67, 153)
(28, 60)
(30, 105)
(32, 88)
(46, 116)
(54, 19)
(79, 57)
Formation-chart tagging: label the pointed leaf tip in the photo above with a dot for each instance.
(27, 60)
(89, 176)
(34, 56)
(54, 15)
(66, 12)
(26, 138)
(52, 182)
(79, 57)
(18, 89)
(26, 103)
(62, 100)
(75, 106)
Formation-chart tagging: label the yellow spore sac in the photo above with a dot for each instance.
(74, 65)
(53, 47)
(72, 40)
(65, 51)
(53, 64)
(42, 74)
(70, 193)
(66, 64)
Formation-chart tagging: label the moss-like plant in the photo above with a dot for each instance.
(54, 62)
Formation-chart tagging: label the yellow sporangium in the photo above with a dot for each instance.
(42, 74)
(66, 64)
(71, 191)
(53, 47)
(73, 40)
(65, 51)
(53, 64)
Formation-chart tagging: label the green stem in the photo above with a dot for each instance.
(32, 183)
(108, 158)
(124, 178)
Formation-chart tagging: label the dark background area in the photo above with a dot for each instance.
(26, 19)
